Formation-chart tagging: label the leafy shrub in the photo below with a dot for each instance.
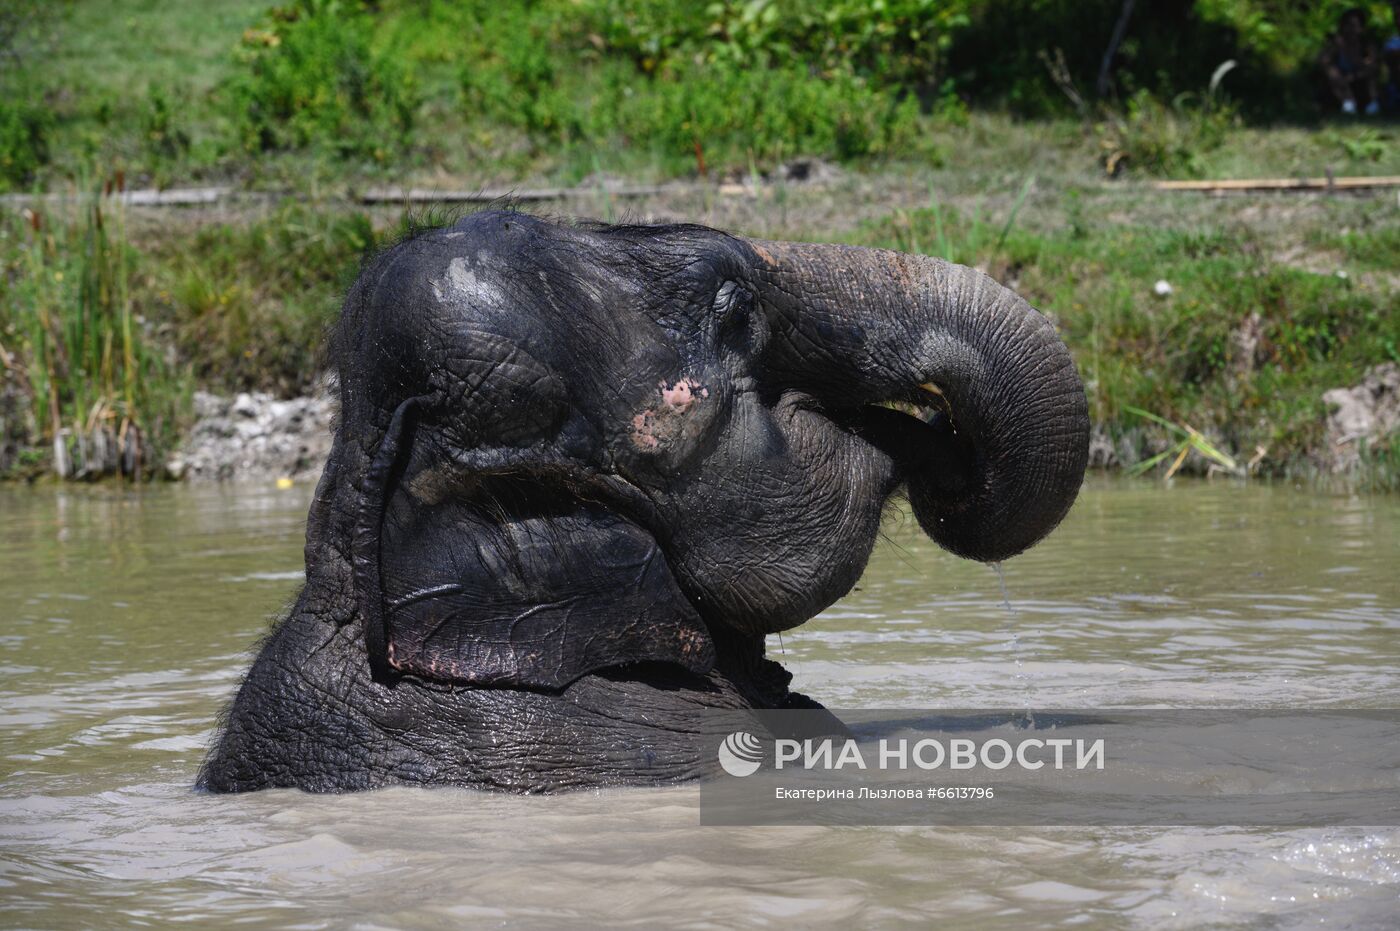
(1283, 33)
(890, 43)
(996, 58)
(164, 138)
(732, 84)
(734, 116)
(1361, 145)
(518, 80)
(247, 306)
(69, 314)
(1163, 139)
(313, 78)
(1242, 348)
(164, 141)
(24, 131)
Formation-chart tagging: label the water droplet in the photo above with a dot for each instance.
(1012, 616)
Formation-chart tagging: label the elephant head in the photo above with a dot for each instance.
(568, 452)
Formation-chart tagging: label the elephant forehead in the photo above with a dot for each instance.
(575, 315)
(460, 281)
(499, 392)
(640, 390)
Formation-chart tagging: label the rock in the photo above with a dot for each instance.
(1363, 414)
(809, 171)
(62, 465)
(209, 405)
(245, 406)
(256, 437)
(1102, 453)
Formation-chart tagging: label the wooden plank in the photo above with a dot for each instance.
(395, 195)
(174, 197)
(1282, 184)
(192, 197)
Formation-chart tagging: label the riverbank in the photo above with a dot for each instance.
(258, 438)
(1229, 316)
(1209, 330)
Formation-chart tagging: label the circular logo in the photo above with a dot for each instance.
(740, 754)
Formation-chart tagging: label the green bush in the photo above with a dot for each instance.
(893, 43)
(731, 84)
(247, 305)
(26, 120)
(1163, 139)
(83, 355)
(1283, 33)
(736, 116)
(517, 80)
(1242, 347)
(164, 137)
(314, 79)
(165, 142)
(1167, 48)
(24, 147)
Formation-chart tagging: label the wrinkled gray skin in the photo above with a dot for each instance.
(581, 471)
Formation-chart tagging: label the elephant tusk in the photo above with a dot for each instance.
(939, 400)
(925, 412)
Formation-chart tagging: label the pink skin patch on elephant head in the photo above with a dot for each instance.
(664, 421)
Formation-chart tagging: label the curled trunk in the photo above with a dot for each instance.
(999, 458)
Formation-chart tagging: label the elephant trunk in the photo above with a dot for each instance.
(996, 451)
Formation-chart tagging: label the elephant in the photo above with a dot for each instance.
(582, 470)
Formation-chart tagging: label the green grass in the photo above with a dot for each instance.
(88, 44)
(1258, 324)
(248, 303)
(324, 96)
(77, 347)
(117, 324)
(1242, 347)
(103, 69)
(104, 327)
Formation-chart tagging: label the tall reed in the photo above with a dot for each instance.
(103, 400)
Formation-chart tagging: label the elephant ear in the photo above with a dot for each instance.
(487, 586)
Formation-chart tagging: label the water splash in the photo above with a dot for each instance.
(1005, 592)
(1010, 626)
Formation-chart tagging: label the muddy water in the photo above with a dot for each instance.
(125, 620)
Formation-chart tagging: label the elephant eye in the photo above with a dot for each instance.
(739, 324)
(733, 302)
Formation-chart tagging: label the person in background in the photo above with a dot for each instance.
(1390, 96)
(1351, 62)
